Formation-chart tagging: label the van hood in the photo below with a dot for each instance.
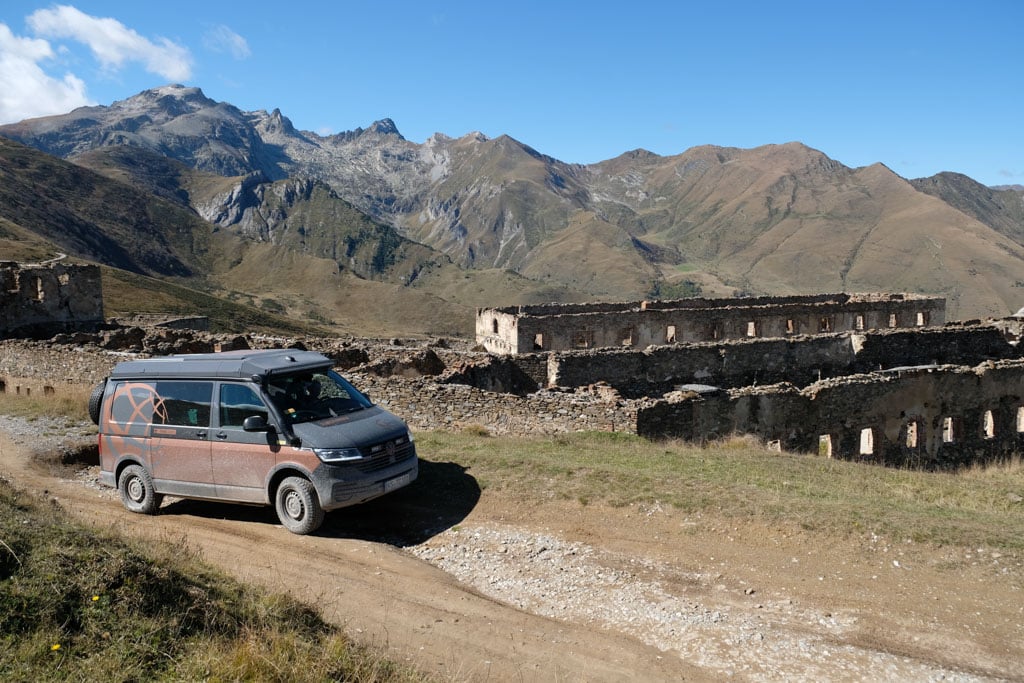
(352, 430)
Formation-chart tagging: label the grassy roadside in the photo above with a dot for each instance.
(77, 604)
(740, 479)
(68, 402)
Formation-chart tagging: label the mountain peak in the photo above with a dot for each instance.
(174, 99)
(279, 123)
(384, 127)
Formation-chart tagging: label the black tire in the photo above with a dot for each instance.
(96, 401)
(137, 492)
(298, 506)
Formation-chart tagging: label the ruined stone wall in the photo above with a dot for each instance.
(43, 299)
(941, 417)
(732, 364)
(641, 324)
(797, 360)
(424, 404)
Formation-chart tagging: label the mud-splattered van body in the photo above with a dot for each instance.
(275, 427)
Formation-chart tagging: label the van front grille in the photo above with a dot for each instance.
(386, 454)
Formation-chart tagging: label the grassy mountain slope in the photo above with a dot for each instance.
(127, 294)
(1000, 209)
(786, 219)
(84, 214)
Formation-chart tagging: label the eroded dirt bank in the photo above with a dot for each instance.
(569, 592)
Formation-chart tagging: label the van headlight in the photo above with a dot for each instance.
(338, 454)
(408, 435)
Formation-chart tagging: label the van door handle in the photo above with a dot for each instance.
(221, 435)
(201, 435)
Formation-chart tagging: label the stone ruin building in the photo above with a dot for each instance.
(39, 300)
(558, 327)
(874, 377)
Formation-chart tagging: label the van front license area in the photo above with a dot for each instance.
(398, 482)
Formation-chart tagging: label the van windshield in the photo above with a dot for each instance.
(313, 396)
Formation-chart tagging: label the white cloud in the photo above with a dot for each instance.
(112, 43)
(223, 39)
(26, 91)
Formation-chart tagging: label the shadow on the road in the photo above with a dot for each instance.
(441, 497)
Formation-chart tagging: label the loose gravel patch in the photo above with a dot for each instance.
(735, 633)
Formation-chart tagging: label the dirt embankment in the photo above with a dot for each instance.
(481, 588)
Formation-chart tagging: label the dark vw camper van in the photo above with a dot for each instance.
(276, 427)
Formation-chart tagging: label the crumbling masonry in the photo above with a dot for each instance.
(558, 327)
(43, 299)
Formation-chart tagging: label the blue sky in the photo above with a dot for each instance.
(922, 87)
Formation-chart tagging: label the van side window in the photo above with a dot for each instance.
(183, 403)
(237, 402)
(132, 404)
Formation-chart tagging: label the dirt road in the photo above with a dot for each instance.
(478, 587)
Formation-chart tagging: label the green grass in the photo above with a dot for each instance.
(739, 479)
(128, 294)
(77, 604)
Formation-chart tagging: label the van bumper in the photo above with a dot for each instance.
(340, 487)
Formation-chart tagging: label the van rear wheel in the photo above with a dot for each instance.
(298, 506)
(137, 492)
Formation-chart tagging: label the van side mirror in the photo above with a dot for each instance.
(256, 423)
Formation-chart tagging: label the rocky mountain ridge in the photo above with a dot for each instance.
(774, 219)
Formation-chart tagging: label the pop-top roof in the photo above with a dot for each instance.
(228, 365)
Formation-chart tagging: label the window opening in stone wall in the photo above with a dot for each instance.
(538, 342)
(859, 323)
(922, 318)
(494, 326)
(988, 425)
(627, 335)
(752, 328)
(825, 445)
(10, 280)
(1020, 419)
(790, 326)
(825, 324)
(867, 441)
(952, 429)
(670, 334)
(583, 339)
(3, 387)
(892, 320)
(911, 438)
(40, 292)
(714, 331)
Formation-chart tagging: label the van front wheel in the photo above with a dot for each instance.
(298, 507)
(137, 492)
